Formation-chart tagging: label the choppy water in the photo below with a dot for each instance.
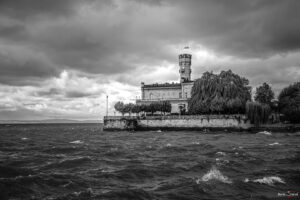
(78, 161)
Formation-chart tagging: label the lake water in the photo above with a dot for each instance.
(79, 161)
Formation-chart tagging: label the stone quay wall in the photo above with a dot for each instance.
(238, 122)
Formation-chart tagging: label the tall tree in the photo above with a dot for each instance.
(289, 102)
(258, 113)
(264, 94)
(225, 93)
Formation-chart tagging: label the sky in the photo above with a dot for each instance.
(61, 58)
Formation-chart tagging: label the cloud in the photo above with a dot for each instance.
(18, 64)
(64, 57)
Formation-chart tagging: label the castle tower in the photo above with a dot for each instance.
(185, 62)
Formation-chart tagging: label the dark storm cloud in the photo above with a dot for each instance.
(117, 37)
(31, 8)
(19, 65)
(244, 28)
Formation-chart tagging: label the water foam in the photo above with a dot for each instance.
(246, 180)
(77, 142)
(214, 174)
(221, 153)
(275, 143)
(270, 180)
(265, 132)
(24, 138)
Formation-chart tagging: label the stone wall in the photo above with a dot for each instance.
(178, 122)
(235, 122)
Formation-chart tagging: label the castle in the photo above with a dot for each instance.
(177, 94)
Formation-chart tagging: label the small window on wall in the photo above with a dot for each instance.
(150, 96)
(186, 95)
(180, 95)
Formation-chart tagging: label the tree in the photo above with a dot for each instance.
(128, 108)
(166, 106)
(119, 106)
(264, 94)
(225, 93)
(257, 112)
(289, 102)
(136, 109)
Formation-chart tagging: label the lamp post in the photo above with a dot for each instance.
(106, 105)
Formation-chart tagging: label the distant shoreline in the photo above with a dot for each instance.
(51, 121)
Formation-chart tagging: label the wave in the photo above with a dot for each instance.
(69, 163)
(127, 194)
(265, 133)
(24, 138)
(275, 143)
(8, 172)
(270, 180)
(77, 142)
(221, 153)
(214, 174)
(59, 150)
(168, 145)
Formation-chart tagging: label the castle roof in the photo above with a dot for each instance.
(162, 85)
(165, 85)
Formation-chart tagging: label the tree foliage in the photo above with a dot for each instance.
(119, 106)
(264, 94)
(258, 113)
(161, 106)
(289, 102)
(225, 93)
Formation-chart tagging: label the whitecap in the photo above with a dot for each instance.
(246, 180)
(76, 142)
(270, 180)
(159, 131)
(24, 138)
(221, 153)
(275, 143)
(214, 174)
(265, 132)
(168, 145)
(195, 142)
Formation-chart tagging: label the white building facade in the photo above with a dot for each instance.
(177, 94)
